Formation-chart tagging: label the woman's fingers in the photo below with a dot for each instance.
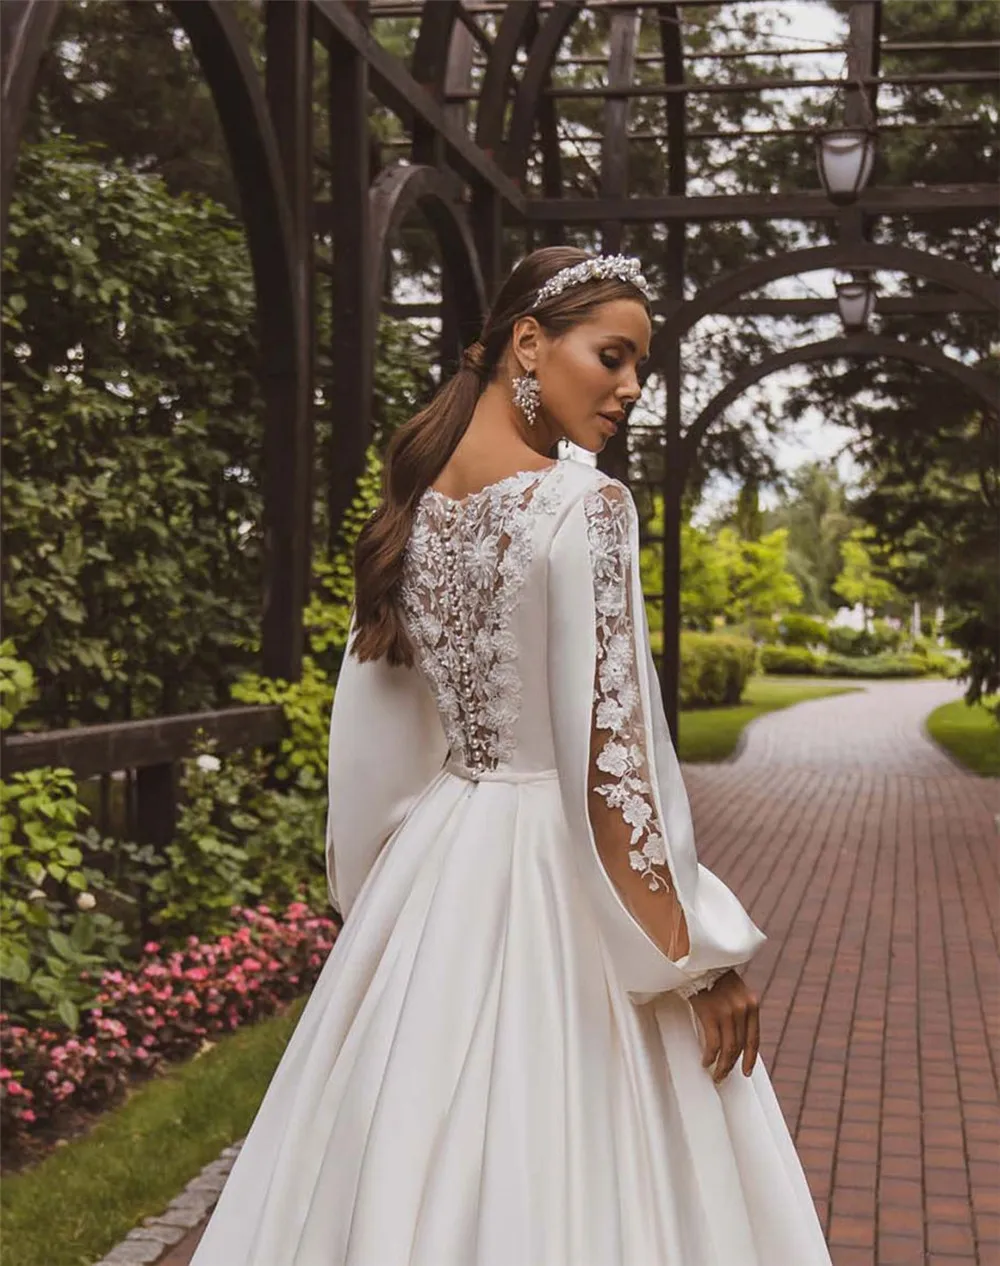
(713, 1038)
(753, 1038)
(732, 1044)
(731, 1024)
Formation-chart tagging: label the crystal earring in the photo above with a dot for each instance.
(527, 395)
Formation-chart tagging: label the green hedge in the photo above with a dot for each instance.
(789, 659)
(802, 630)
(714, 669)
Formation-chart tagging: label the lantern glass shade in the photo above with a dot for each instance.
(856, 302)
(845, 157)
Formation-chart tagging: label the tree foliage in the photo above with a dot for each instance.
(132, 440)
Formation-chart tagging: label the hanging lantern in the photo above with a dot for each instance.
(856, 301)
(845, 157)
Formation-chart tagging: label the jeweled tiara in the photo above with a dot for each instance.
(600, 268)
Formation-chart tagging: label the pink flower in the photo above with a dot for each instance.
(151, 947)
(27, 1115)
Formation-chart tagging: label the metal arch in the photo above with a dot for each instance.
(515, 29)
(394, 194)
(543, 52)
(946, 272)
(866, 346)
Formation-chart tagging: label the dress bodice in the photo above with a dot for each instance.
(469, 564)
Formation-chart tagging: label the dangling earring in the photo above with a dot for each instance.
(527, 395)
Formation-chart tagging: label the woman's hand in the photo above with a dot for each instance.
(728, 1013)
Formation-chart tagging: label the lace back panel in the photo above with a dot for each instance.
(465, 567)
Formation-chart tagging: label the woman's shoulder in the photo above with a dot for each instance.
(581, 482)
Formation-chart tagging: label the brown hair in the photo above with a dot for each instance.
(420, 448)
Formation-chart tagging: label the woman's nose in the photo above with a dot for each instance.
(630, 390)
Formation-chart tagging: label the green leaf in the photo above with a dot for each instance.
(68, 1012)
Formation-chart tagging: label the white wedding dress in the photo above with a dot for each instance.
(497, 1066)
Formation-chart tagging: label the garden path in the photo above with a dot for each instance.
(870, 859)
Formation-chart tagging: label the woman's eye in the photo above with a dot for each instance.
(610, 361)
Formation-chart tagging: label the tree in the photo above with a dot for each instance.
(861, 581)
(813, 508)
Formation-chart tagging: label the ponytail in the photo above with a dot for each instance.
(416, 455)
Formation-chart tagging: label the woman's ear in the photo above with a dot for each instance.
(525, 340)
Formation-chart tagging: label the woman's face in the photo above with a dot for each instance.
(588, 376)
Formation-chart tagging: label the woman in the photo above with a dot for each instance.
(519, 1051)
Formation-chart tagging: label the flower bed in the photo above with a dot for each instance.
(164, 1010)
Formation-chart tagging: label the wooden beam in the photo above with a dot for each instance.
(99, 749)
(392, 83)
(703, 88)
(810, 205)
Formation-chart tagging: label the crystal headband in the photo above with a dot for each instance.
(600, 268)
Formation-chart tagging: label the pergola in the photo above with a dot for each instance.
(484, 182)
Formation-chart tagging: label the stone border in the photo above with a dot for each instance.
(147, 1244)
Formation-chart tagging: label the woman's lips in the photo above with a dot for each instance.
(610, 424)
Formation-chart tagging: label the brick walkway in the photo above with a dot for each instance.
(871, 862)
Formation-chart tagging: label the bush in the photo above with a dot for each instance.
(714, 669)
(885, 637)
(842, 640)
(789, 659)
(875, 666)
(801, 630)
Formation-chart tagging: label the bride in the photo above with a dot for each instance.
(519, 1052)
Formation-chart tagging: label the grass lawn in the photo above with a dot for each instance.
(970, 734)
(75, 1205)
(711, 734)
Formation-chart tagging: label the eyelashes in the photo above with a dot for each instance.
(610, 361)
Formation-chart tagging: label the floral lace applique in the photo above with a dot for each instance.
(617, 703)
(465, 567)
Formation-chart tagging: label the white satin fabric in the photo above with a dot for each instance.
(476, 1079)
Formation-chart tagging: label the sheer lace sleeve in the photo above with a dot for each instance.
(627, 829)
(668, 923)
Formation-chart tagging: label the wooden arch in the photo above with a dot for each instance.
(861, 346)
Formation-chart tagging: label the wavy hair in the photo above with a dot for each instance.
(419, 450)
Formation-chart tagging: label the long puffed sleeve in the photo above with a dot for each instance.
(386, 746)
(668, 922)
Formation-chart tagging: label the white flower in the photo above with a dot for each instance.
(210, 764)
(610, 715)
(614, 759)
(36, 894)
(86, 901)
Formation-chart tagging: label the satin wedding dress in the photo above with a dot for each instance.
(497, 1065)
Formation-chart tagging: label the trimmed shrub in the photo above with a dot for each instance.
(846, 641)
(875, 666)
(789, 659)
(801, 630)
(714, 669)
(887, 638)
